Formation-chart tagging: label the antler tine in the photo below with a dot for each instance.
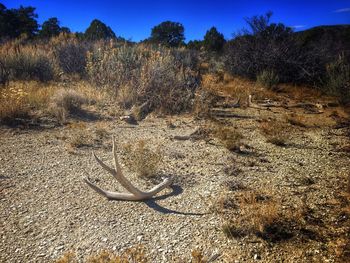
(116, 173)
(119, 174)
(111, 195)
(135, 193)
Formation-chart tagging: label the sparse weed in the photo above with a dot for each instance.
(198, 257)
(256, 213)
(127, 96)
(65, 102)
(275, 132)
(101, 130)
(141, 159)
(79, 135)
(230, 137)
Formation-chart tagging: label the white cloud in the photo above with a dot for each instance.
(298, 26)
(342, 10)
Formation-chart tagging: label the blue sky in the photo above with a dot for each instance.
(135, 18)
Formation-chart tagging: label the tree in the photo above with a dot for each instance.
(168, 33)
(98, 30)
(213, 40)
(15, 22)
(272, 47)
(195, 44)
(50, 28)
(65, 29)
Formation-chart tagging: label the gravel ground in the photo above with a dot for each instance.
(46, 209)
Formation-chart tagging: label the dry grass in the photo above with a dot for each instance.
(101, 130)
(256, 213)
(131, 255)
(237, 88)
(233, 87)
(28, 61)
(22, 99)
(79, 136)
(126, 96)
(298, 120)
(301, 93)
(230, 137)
(30, 98)
(275, 132)
(142, 159)
(13, 104)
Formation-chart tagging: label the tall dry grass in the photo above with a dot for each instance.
(29, 61)
(23, 99)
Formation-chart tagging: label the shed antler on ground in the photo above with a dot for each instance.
(135, 194)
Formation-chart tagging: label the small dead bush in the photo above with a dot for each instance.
(142, 159)
(230, 137)
(256, 213)
(204, 100)
(68, 257)
(65, 102)
(101, 130)
(127, 96)
(79, 136)
(275, 132)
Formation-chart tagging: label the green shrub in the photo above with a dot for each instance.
(268, 79)
(158, 77)
(338, 79)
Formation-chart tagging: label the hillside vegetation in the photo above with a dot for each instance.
(253, 131)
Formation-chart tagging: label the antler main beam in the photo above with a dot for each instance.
(135, 193)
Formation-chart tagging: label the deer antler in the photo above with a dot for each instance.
(135, 194)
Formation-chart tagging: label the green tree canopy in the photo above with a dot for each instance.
(65, 29)
(15, 22)
(98, 30)
(50, 28)
(213, 40)
(168, 33)
(195, 44)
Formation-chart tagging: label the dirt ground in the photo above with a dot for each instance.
(47, 209)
